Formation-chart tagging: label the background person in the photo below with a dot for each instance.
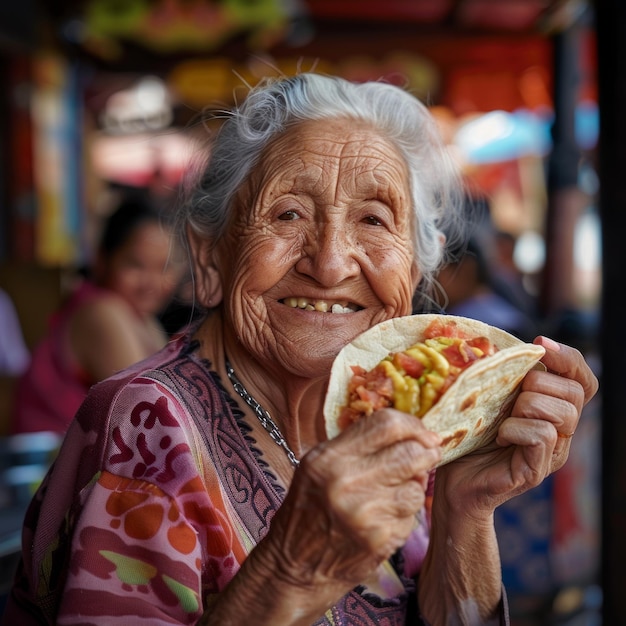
(507, 279)
(467, 281)
(108, 321)
(203, 488)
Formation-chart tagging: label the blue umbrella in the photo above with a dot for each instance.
(502, 136)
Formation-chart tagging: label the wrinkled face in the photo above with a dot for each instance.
(142, 270)
(321, 246)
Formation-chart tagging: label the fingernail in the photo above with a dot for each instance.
(550, 344)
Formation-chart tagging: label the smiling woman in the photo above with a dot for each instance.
(202, 477)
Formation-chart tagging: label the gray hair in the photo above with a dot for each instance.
(275, 105)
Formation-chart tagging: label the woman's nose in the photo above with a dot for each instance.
(330, 256)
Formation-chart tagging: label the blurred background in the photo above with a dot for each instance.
(100, 97)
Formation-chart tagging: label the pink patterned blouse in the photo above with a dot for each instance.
(155, 500)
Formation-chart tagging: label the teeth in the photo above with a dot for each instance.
(319, 305)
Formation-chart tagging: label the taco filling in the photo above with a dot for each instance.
(412, 380)
(458, 375)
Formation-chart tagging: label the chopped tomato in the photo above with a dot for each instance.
(459, 355)
(483, 344)
(359, 377)
(348, 416)
(368, 392)
(373, 398)
(443, 328)
(410, 365)
(447, 383)
(376, 380)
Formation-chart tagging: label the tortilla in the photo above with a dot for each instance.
(469, 413)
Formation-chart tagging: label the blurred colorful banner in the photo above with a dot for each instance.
(57, 150)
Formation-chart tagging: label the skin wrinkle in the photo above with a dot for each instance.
(261, 261)
(313, 173)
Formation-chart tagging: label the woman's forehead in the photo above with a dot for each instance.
(351, 146)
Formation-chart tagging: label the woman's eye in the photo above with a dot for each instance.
(372, 220)
(288, 215)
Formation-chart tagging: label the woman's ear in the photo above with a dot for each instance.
(208, 283)
(416, 275)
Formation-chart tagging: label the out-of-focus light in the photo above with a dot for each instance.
(150, 92)
(530, 252)
(587, 124)
(145, 106)
(501, 136)
(588, 179)
(480, 132)
(587, 242)
(136, 159)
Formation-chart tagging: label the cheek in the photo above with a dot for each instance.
(392, 272)
(258, 263)
(248, 275)
(121, 279)
(389, 248)
(133, 285)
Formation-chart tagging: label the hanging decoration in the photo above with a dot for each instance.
(180, 26)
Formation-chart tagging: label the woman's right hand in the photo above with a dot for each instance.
(353, 501)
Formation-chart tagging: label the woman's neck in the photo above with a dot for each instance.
(295, 403)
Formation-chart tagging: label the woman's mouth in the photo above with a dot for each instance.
(322, 306)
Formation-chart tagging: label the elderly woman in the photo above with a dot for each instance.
(200, 487)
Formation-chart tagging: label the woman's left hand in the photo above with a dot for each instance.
(532, 443)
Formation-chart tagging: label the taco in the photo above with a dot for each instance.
(458, 375)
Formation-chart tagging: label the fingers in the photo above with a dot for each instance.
(370, 483)
(543, 420)
(535, 455)
(389, 426)
(552, 398)
(392, 443)
(532, 442)
(569, 363)
(383, 458)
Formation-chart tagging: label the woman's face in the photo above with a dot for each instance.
(142, 270)
(321, 246)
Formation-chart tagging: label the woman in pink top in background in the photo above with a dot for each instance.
(106, 324)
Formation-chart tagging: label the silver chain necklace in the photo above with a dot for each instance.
(264, 417)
